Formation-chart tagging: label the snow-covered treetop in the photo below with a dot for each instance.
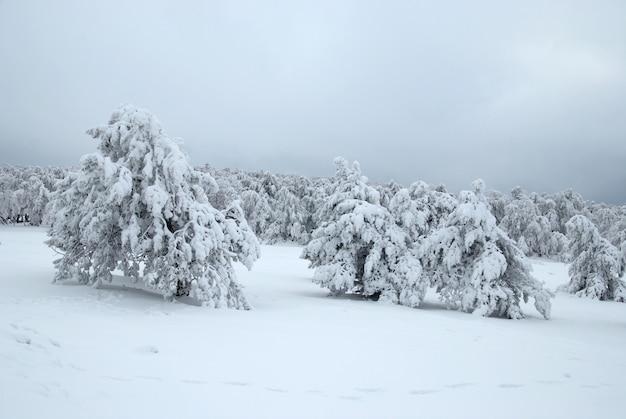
(479, 187)
(137, 137)
(351, 183)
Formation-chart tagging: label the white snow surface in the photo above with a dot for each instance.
(79, 352)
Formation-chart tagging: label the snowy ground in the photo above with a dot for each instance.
(77, 352)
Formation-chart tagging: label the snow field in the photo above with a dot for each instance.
(74, 351)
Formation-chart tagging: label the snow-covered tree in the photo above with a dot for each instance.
(472, 262)
(434, 204)
(242, 243)
(288, 219)
(358, 248)
(519, 214)
(257, 210)
(407, 215)
(568, 204)
(24, 193)
(138, 206)
(596, 266)
(539, 240)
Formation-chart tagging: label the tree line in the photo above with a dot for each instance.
(286, 208)
(136, 205)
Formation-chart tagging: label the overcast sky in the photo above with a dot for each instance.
(529, 93)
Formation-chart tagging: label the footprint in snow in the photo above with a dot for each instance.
(423, 392)
(194, 381)
(276, 390)
(511, 385)
(369, 390)
(236, 383)
(149, 377)
(147, 349)
(351, 398)
(459, 385)
(550, 382)
(316, 393)
(110, 377)
(23, 339)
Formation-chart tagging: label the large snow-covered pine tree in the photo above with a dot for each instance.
(138, 206)
(472, 262)
(358, 248)
(596, 266)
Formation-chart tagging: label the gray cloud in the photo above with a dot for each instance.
(517, 93)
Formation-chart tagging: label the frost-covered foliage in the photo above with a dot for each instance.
(472, 262)
(137, 206)
(243, 245)
(279, 208)
(568, 204)
(532, 222)
(520, 212)
(25, 191)
(596, 266)
(611, 224)
(287, 221)
(434, 205)
(285, 208)
(407, 215)
(358, 248)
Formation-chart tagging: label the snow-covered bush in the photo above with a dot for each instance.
(358, 248)
(138, 206)
(472, 262)
(596, 264)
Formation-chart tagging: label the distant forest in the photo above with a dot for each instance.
(285, 208)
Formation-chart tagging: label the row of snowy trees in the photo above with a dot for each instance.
(398, 252)
(423, 238)
(25, 192)
(137, 206)
(286, 208)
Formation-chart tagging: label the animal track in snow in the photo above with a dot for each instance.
(352, 398)
(459, 385)
(147, 349)
(236, 383)
(194, 381)
(550, 382)
(423, 392)
(508, 385)
(370, 390)
(276, 390)
(116, 378)
(23, 339)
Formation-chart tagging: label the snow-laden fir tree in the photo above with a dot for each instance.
(472, 262)
(407, 215)
(358, 248)
(138, 206)
(596, 266)
(523, 222)
(287, 223)
(434, 204)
